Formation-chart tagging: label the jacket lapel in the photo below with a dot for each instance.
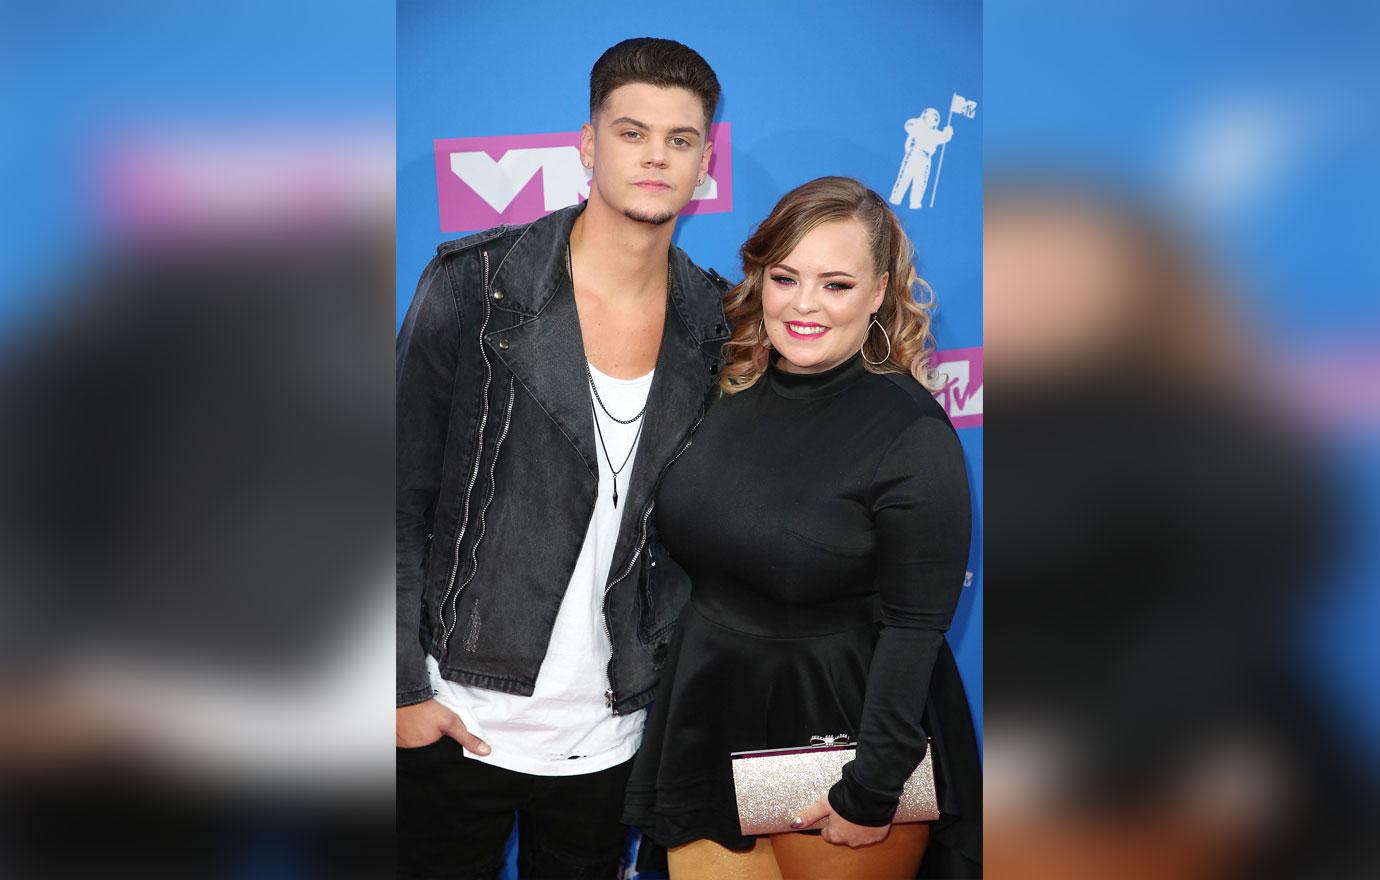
(542, 345)
(677, 396)
(547, 356)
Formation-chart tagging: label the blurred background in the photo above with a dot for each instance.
(1183, 337)
(1184, 489)
(195, 319)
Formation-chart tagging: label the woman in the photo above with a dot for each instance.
(822, 514)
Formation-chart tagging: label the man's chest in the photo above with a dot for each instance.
(621, 342)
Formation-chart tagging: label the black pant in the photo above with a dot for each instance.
(455, 814)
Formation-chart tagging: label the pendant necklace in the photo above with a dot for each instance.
(599, 432)
(589, 375)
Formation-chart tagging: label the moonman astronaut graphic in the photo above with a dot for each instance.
(923, 136)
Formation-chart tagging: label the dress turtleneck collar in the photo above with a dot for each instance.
(812, 386)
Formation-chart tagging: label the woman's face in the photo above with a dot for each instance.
(817, 303)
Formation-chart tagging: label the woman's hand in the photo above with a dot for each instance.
(838, 830)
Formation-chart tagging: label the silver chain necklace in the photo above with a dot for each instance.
(595, 388)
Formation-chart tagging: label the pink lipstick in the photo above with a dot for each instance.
(807, 330)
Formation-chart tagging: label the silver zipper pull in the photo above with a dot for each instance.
(608, 698)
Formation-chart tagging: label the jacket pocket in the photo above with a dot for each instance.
(665, 589)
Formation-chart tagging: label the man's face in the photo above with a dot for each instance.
(648, 147)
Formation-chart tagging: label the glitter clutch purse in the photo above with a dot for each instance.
(773, 786)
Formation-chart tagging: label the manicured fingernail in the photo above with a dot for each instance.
(483, 748)
(797, 822)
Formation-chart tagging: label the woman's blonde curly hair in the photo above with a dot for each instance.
(906, 320)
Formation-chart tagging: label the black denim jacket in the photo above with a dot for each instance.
(496, 466)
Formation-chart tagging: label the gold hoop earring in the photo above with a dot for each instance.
(886, 357)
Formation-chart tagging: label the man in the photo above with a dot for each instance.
(547, 376)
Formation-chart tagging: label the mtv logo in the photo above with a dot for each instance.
(513, 179)
(961, 395)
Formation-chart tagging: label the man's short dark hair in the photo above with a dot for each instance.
(657, 62)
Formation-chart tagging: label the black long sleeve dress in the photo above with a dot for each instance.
(824, 521)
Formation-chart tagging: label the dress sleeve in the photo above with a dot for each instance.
(923, 524)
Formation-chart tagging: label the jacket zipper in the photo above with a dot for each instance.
(474, 472)
(483, 514)
(610, 698)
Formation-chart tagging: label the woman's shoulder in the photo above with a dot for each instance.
(920, 441)
(907, 400)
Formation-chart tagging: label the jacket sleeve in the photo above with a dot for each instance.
(428, 359)
(923, 524)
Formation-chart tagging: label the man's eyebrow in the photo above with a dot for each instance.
(628, 120)
(821, 275)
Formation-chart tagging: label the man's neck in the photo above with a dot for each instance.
(618, 257)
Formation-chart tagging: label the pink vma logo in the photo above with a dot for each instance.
(486, 181)
(961, 370)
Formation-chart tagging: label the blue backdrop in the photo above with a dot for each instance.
(807, 91)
